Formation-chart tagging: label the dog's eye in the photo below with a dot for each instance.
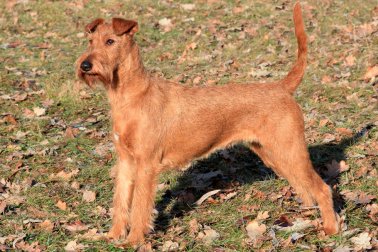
(90, 41)
(109, 41)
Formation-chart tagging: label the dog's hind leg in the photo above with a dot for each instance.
(270, 161)
(290, 159)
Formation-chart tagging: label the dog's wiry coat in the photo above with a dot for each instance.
(160, 125)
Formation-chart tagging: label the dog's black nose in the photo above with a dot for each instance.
(86, 66)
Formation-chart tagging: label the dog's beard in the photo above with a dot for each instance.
(99, 74)
(90, 79)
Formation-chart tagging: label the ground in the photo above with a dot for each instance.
(56, 152)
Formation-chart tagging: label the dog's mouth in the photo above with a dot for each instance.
(93, 77)
(90, 78)
(88, 73)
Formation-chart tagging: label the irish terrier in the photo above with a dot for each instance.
(160, 125)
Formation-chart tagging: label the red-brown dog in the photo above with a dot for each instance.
(160, 125)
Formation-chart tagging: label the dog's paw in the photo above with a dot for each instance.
(331, 228)
(117, 233)
(134, 239)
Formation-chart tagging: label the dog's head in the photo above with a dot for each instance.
(110, 45)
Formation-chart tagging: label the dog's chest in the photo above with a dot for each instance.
(124, 134)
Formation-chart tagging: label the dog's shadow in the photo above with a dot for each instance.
(236, 166)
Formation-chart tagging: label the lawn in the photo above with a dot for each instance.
(56, 150)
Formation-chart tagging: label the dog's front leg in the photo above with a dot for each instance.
(124, 173)
(143, 203)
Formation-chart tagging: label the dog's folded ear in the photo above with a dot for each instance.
(122, 26)
(91, 27)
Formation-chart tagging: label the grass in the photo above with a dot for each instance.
(38, 48)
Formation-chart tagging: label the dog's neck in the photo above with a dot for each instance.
(132, 65)
(131, 78)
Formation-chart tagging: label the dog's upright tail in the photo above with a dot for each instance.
(294, 77)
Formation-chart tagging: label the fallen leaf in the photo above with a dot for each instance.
(161, 186)
(237, 10)
(170, 246)
(77, 226)
(353, 97)
(99, 210)
(275, 196)
(146, 247)
(329, 138)
(188, 7)
(75, 185)
(298, 225)
(255, 230)
(44, 45)
(27, 221)
(37, 212)
(91, 235)
(197, 80)
(15, 200)
(351, 232)
(349, 195)
(258, 73)
(344, 131)
(73, 246)
(10, 119)
(61, 205)
(208, 235)
(326, 79)
(283, 221)
(323, 122)
(188, 47)
(20, 134)
(89, 196)
(25, 246)
(5, 97)
(357, 197)
(230, 195)
(28, 113)
(20, 97)
(3, 205)
(14, 44)
(71, 132)
(361, 172)
(342, 248)
(46, 225)
(296, 236)
(39, 111)
(373, 212)
(64, 175)
(259, 194)
(166, 24)
(350, 60)
(102, 149)
(193, 227)
(47, 103)
(262, 216)
(361, 241)
(247, 197)
(371, 73)
(364, 198)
